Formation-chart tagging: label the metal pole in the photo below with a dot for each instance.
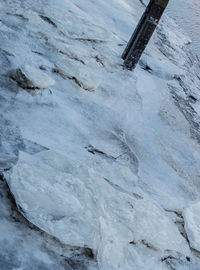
(143, 33)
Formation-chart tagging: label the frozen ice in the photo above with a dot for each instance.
(79, 73)
(31, 78)
(102, 177)
(82, 209)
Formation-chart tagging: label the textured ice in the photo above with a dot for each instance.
(109, 172)
(75, 23)
(31, 78)
(79, 73)
(192, 225)
(10, 143)
(82, 209)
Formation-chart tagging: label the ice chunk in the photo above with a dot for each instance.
(31, 78)
(79, 73)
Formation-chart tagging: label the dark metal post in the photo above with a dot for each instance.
(143, 32)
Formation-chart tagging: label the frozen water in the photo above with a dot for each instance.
(83, 77)
(31, 78)
(106, 172)
(82, 209)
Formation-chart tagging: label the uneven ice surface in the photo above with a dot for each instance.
(192, 224)
(85, 79)
(102, 176)
(82, 209)
(30, 78)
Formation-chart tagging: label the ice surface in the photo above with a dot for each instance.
(82, 209)
(192, 225)
(108, 172)
(80, 74)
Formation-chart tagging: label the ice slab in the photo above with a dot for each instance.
(31, 78)
(81, 209)
(79, 73)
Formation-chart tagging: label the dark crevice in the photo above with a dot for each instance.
(147, 68)
(71, 78)
(48, 20)
(176, 212)
(141, 1)
(99, 60)
(132, 243)
(73, 57)
(192, 98)
(180, 223)
(94, 151)
(21, 16)
(148, 245)
(90, 40)
(37, 52)
(120, 189)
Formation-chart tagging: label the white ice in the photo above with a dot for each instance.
(114, 168)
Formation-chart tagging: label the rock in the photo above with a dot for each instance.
(192, 225)
(28, 77)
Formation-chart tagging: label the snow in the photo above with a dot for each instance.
(105, 172)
